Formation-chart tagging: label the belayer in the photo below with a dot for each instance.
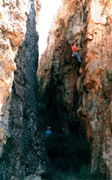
(48, 131)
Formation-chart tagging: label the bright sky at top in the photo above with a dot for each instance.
(47, 12)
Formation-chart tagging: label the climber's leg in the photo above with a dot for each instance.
(74, 54)
(78, 57)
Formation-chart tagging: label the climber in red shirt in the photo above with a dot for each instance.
(75, 50)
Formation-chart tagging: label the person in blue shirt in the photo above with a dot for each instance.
(48, 131)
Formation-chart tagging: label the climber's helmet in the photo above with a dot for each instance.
(48, 127)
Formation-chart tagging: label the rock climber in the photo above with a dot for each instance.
(48, 131)
(75, 50)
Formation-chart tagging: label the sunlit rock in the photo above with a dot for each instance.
(13, 16)
(83, 91)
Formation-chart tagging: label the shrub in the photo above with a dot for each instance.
(66, 151)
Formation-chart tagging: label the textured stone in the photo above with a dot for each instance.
(21, 143)
(83, 92)
(13, 16)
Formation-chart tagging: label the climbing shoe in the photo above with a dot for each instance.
(79, 61)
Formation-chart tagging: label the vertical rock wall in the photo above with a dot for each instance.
(13, 16)
(82, 92)
(21, 131)
(98, 83)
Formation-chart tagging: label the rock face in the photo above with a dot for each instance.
(82, 92)
(12, 30)
(21, 143)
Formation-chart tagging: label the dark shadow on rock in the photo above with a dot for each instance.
(24, 152)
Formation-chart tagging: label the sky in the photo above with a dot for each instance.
(47, 12)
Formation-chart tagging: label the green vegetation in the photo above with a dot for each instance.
(90, 106)
(68, 152)
(109, 76)
(83, 174)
